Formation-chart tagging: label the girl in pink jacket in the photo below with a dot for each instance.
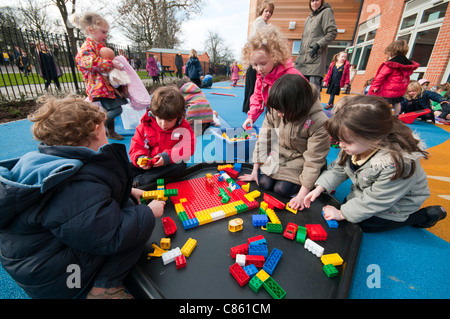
(338, 76)
(392, 77)
(267, 52)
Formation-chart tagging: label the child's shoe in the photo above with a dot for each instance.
(434, 213)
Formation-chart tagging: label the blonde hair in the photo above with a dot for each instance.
(193, 54)
(271, 40)
(414, 85)
(89, 19)
(67, 121)
(266, 5)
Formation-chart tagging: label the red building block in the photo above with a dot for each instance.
(273, 201)
(180, 261)
(257, 260)
(239, 274)
(169, 226)
(231, 172)
(252, 239)
(241, 249)
(316, 232)
(290, 231)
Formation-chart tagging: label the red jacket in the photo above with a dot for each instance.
(345, 79)
(172, 145)
(392, 79)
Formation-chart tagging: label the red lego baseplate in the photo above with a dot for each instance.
(203, 203)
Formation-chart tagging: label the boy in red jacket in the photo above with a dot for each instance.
(392, 77)
(163, 141)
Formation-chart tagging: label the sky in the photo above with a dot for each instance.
(228, 18)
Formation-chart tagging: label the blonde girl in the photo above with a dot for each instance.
(381, 156)
(267, 51)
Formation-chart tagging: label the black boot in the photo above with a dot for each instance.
(434, 213)
(110, 132)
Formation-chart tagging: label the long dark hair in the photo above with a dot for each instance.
(293, 96)
(370, 120)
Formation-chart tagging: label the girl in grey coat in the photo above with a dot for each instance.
(380, 155)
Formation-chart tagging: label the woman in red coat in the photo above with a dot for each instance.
(392, 77)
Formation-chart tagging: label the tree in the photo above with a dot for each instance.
(155, 23)
(35, 17)
(218, 51)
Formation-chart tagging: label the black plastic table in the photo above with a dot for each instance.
(207, 276)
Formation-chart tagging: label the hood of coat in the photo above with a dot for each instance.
(325, 5)
(402, 67)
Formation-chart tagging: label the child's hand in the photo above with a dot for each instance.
(159, 161)
(157, 207)
(311, 196)
(331, 212)
(250, 177)
(375, 90)
(137, 193)
(117, 64)
(248, 124)
(298, 201)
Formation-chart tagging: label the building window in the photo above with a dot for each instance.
(408, 21)
(435, 13)
(296, 47)
(423, 46)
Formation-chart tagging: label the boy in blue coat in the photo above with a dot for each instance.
(68, 220)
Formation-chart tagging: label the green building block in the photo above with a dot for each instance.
(183, 216)
(241, 208)
(160, 182)
(274, 289)
(301, 235)
(255, 284)
(330, 270)
(274, 228)
(170, 192)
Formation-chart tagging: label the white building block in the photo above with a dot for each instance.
(170, 255)
(313, 247)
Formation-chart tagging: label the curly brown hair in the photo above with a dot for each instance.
(168, 103)
(67, 121)
(270, 39)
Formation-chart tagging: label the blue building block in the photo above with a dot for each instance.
(251, 270)
(237, 167)
(260, 220)
(331, 223)
(272, 262)
(190, 223)
(259, 242)
(258, 250)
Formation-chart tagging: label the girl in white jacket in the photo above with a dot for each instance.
(380, 155)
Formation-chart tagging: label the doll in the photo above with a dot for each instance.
(117, 78)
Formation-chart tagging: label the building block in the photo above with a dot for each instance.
(316, 232)
(274, 228)
(330, 270)
(408, 118)
(255, 284)
(255, 238)
(274, 289)
(188, 247)
(262, 275)
(272, 200)
(301, 234)
(290, 231)
(254, 259)
(262, 241)
(241, 259)
(246, 187)
(314, 247)
(231, 172)
(251, 270)
(157, 251)
(288, 208)
(190, 223)
(237, 167)
(169, 226)
(272, 216)
(239, 274)
(254, 194)
(165, 243)
(333, 259)
(258, 250)
(331, 223)
(170, 255)
(235, 225)
(180, 261)
(272, 261)
(259, 220)
(240, 249)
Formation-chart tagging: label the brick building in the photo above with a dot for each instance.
(366, 27)
(167, 57)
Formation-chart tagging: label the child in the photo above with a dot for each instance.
(416, 98)
(392, 77)
(268, 53)
(439, 111)
(91, 65)
(193, 68)
(381, 156)
(164, 137)
(295, 119)
(353, 71)
(49, 70)
(69, 206)
(152, 68)
(338, 76)
(199, 111)
(235, 73)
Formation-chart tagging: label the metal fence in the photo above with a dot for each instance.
(20, 68)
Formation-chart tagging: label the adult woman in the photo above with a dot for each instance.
(265, 13)
(319, 30)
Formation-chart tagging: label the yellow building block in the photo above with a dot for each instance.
(264, 205)
(246, 187)
(262, 275)
(142, 161)
(254, 194)
(183, 200)
(179, 208)
(165, 243)
(272, 216)
(290, 209)
(333, 259)
(188, 247)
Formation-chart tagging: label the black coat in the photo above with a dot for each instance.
(67, 205)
